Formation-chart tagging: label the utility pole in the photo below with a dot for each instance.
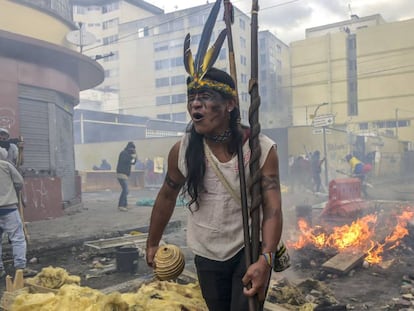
(325, 155)
(323, 121)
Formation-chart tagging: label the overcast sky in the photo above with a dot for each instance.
(288, 19)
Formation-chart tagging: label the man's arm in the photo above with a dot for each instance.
(15, 175)
(259, 272)
(164, 204)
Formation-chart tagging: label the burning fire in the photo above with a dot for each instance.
(359, 234)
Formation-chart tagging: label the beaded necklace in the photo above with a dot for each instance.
(220, 137)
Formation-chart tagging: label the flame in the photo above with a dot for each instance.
(359, 234)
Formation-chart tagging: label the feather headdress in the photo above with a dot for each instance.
(206, 57)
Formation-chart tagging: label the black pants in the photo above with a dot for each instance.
(221, 282)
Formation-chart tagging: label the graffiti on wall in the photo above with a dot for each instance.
(39, 195)
(7, 118)
(43, 198)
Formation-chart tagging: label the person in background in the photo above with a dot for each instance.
(12, 149)
(359, 170)
(10, 222)
(105, 166)
(215, 222)
(126, 159)
(316, 164)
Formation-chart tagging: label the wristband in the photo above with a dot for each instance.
(269, 258)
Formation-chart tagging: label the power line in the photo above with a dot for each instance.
(181, 17)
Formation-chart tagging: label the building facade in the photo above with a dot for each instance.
(41, 76)
(153, 79)
(274, 81)
(101, 19)
(360, 71)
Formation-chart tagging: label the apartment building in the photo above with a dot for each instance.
(153, 79)
(362, 69)
(100, 19)
(274, 82)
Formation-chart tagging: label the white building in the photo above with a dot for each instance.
(274, 82)
(153, 79)
(101, 19)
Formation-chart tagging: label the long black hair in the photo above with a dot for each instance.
(195, 157)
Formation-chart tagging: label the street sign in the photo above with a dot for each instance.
(318, 131)
(323, 120)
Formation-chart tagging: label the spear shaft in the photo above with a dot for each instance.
(228, 19)
(255, 172)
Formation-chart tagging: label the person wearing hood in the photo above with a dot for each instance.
(12, 149)
(126, 159)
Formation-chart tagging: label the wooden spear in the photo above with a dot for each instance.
(19, 163)
(255, 172)
(228, 19)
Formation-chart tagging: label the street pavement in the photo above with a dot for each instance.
(96, 217)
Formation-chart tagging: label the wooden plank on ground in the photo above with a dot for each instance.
(268, 306)
(343, 262)
(109, 245)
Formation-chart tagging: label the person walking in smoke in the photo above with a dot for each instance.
(316, 163)
(203, 166)
(126, 159)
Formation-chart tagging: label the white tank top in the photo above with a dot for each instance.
(215, 230)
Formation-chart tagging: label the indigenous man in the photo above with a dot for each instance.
(204, 165)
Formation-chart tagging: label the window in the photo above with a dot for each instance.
(177, 80)
(176, 62)
(263, 59)
(223, 54)
(161, 82)
(242, 42)
(279, 49)
(243, 60)
(110, 7)
(162, 100)
(162, 64)
(110, 23)
(80, 10)
(243, 78)
(160, 46)
(170, 26)
(262, 43)
(143, 32)
(110, 39)
(363, 126)
(179, 98)
(197, 20)
(242, 24)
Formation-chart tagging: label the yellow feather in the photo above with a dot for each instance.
(207, 59)
(191, 64)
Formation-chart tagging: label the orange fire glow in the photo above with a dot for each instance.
(359, 234)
